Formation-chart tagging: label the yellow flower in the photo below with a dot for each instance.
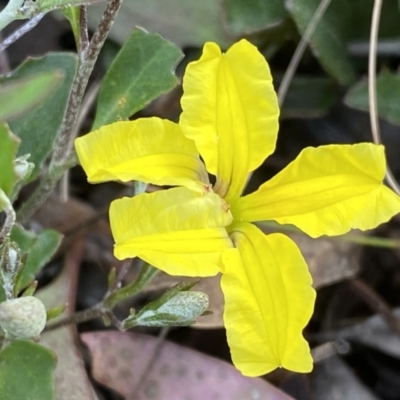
(230, 118)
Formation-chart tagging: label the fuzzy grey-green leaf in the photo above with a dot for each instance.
(181, 309)
(22, 318)
(40, 252)
(38, 128)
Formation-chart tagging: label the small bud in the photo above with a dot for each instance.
(22, 167)
(10, 265)
(179, 310)
(56, 311)
(12, 257)
(22, 318)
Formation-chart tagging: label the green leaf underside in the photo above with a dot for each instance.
(309, 97)
(49, 5)
(329, 40)
(26, 372)
(19, 96)
(387, 92)
(183, 22)
(8, 150)
(361, 12)
(44, 121)
(142, 71)
(247, 16)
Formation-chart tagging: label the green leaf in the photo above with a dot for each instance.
(9, 146)
(249, 16)
(38, 128)
(73, 15)
(183, 22)
(19, 96)
(39, 249)
(329, 40)
(309, 97)
(39, 254)
(26, 372)
(142, 71)
(44, 6)
(387, 93)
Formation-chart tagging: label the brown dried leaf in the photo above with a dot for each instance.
(72, 382)
(119, 360)
(76, 219)
(329, 260)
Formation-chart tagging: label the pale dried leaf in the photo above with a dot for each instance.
(374, 332)
(332, 379)
(329, 260)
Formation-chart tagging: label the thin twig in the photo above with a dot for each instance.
(87, 103)
(298, 54)
(125, 267)
(373, 107)
(376, 303)
(20, 31)
(77, 318)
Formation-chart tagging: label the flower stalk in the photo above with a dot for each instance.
(63, 143)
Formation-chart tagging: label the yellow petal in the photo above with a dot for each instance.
(326, 191)
(180, 231)
(268, 302)
(231, 111)
(150, 150)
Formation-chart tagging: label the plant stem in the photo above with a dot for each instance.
(84, 36)
(21, 31)
(88, 59)
(63, 143)
(145, 276)
(8, 209)
(77, 318)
